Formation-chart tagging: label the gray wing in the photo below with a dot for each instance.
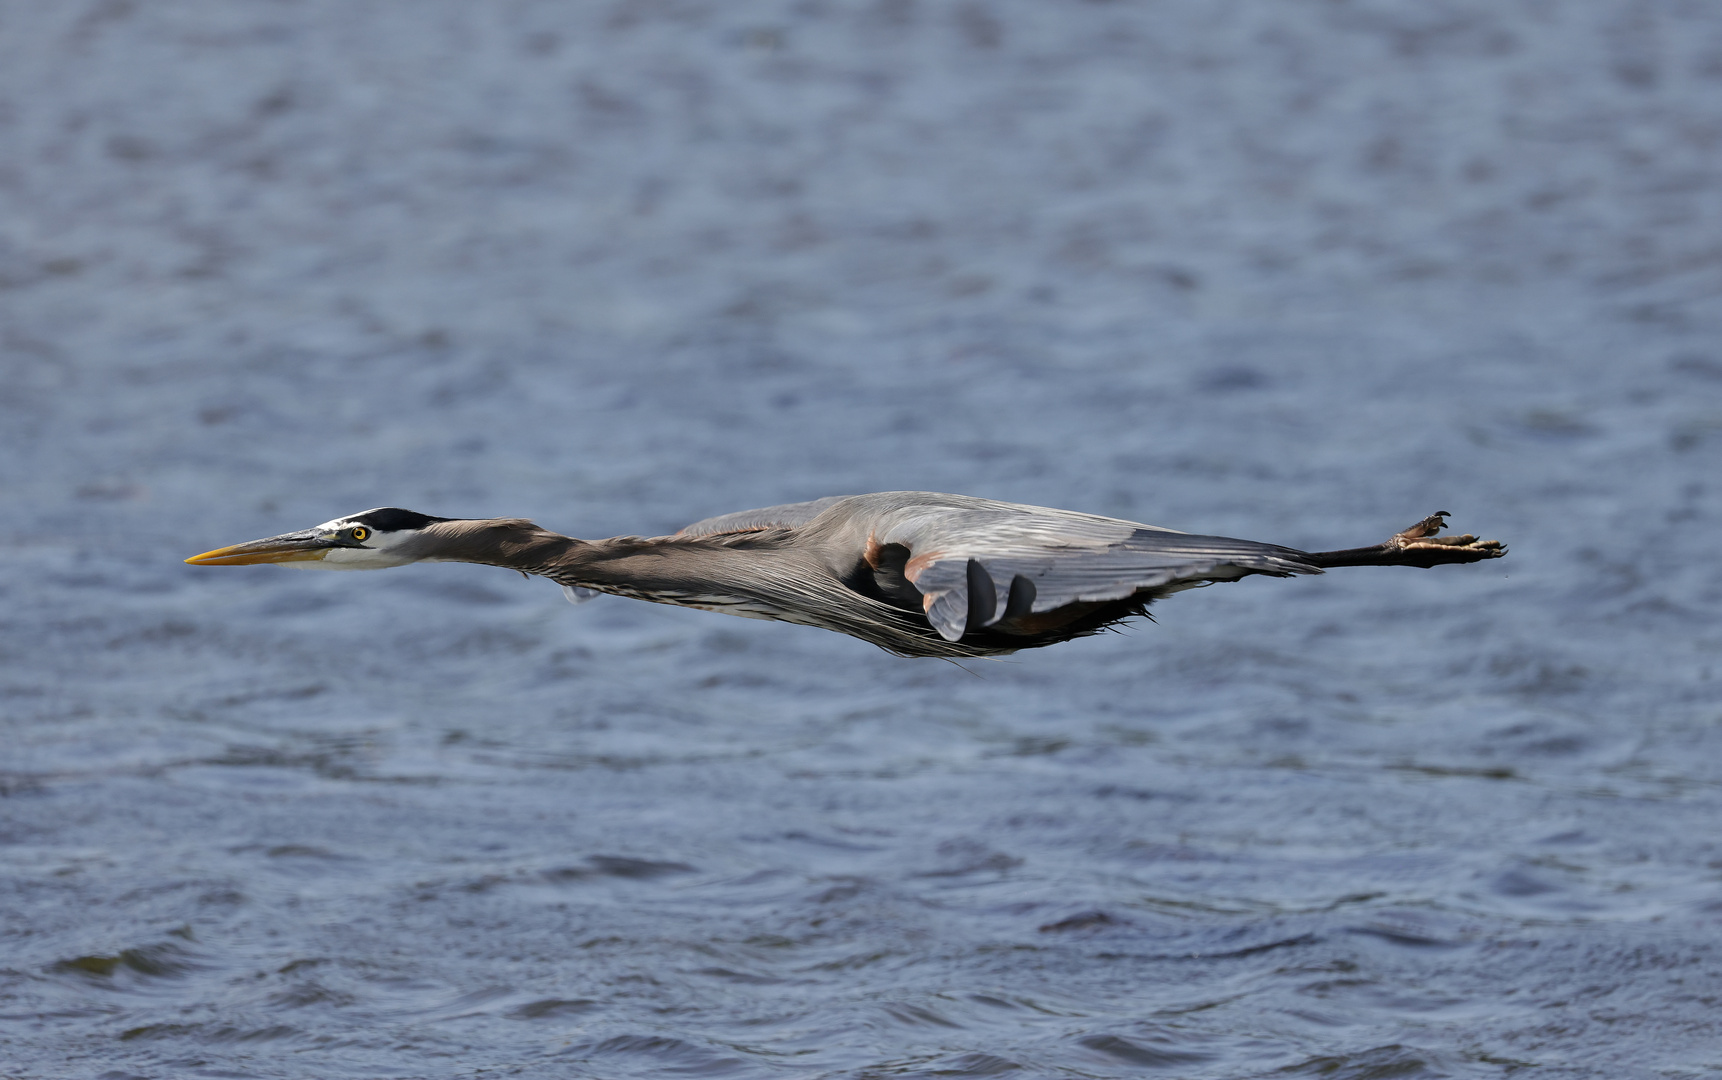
(788, 515)
(973, 559)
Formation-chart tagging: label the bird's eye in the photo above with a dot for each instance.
(360, 533)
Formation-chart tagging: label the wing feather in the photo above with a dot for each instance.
(789, 515)
(967, 554)
(1066, 557)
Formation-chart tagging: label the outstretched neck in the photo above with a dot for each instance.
(745, 576)
(514, 543)
(630, 565)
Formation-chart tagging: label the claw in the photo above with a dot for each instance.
(1429, 526)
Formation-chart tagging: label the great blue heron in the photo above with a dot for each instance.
(914, 572)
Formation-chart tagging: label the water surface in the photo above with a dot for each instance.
(1302, 273)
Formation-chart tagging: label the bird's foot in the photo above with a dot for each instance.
(1421, 547)
(1416, 546)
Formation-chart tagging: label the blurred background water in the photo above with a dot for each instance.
(1300, 272)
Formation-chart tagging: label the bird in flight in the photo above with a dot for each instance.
(916, 573)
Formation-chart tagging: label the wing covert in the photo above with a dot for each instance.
(966, 560)
(788, 515)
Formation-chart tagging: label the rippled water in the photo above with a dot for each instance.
(1298, 272)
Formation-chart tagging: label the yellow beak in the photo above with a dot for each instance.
(304, 546)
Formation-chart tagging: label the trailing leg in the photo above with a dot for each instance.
(1416, 546)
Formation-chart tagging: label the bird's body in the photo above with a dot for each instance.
(917, 573)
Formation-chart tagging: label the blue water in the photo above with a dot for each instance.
(1298, 272)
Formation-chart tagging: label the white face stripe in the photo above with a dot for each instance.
(348, 521)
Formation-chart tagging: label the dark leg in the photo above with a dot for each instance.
(1416, 546)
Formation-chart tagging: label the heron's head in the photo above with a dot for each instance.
(386, 536)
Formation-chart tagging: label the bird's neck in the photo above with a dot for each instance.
(643, 567)
(615, 565)
(697, 571)
(513, 543)
(667, 569)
